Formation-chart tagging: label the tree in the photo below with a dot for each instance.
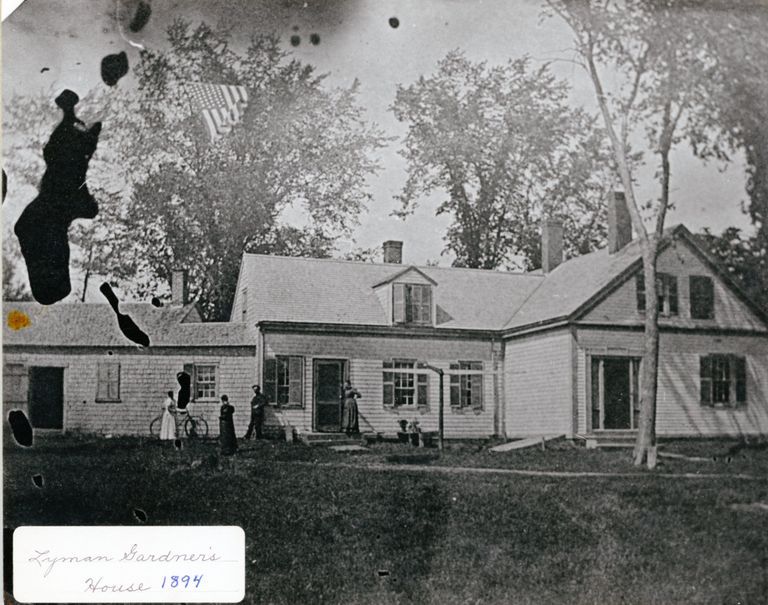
(504, 147)
(299, 146)
(668, 92)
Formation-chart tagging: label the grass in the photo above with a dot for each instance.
(325, 534)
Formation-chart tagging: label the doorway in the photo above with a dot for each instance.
(615, 399)
(46, 397)
(329, 376)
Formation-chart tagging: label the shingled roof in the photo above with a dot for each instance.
(308, 290)
(93, 324)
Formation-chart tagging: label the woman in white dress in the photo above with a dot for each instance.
(168, 424)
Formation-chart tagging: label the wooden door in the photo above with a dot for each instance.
(329, 376)
(617, 402)
(46, 397)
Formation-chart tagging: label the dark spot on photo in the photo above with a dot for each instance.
(109, 352)
(140, 515)
(44, 69)
(314, 39)
(177, 444)
(126, 324)
(295, 28)
(114, 67)
(383, 573)
(184, 380)
(394, 22)
(37, 480)
(156, 302)
(295, 40)
(22, 430)
(141, 17)
(43, 226)
(5, 184)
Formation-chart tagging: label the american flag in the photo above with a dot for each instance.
(221, 105)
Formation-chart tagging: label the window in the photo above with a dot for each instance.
(202, 380)
(403, 385)
(666, 292)
(15, 383)
(723, 380)
(467, 384)
(702, 297)
(412, 303)
(108, 381)
(283, 380)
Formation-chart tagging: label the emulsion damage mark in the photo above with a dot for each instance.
(140, 17)
(182, 399)
(126, 324)
(114, 67)
(17, 320)
(64, 197)
(22, 430)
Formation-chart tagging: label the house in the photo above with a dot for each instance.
(70, 368)
(524, 354)
(555, 351)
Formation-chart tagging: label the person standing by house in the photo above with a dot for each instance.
(168, 423)
(227, 437)
(258, 407)
(349, 420)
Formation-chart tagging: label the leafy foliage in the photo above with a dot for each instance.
(507, 150)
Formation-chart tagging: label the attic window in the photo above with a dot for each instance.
(702, 297)
(666, 292)
(412, 304)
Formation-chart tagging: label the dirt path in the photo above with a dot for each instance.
(456, 470)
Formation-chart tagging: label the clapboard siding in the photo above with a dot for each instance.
(679, 411)
(538, 384)
(365, 356)
(144, 380)
(680, 261)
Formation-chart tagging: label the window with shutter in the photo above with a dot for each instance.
(467, 384)
(666, 293)
(723, 380)
(412, 303)
(107, 382)
(702, 297)
(403, 384)
(284, 380)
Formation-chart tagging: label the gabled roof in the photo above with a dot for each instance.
(405, 271)
(95, 324)
(307, 290)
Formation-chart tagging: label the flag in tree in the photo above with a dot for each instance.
(221, 105)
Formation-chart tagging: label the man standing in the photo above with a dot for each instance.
(258, 404)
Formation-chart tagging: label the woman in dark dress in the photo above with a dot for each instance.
(349, 421)
(227, 437)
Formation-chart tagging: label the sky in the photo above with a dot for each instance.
(357, 42)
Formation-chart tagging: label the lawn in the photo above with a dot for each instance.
(319, 533)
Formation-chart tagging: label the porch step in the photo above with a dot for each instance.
(329, 439)
(610, 439)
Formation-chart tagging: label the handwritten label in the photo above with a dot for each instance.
(164, 564)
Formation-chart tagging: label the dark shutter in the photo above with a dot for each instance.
(705, 379)
(739, 369)
(113, 385)
(189, 368)
(476, 389)
(295, 371)
(422, 389)
(595, 384)
(640, 290)
(702, 297)
(671, 292)
(426, 302)
(270, 380)
(455, 390)
(398, 303)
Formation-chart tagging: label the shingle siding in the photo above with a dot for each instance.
(144, 379)
(538, 385)
(366, 355)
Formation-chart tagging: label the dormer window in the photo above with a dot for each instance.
(412, 304)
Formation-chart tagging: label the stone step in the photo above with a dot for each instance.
(329, 439)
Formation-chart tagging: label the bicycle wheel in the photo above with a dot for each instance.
(154, 426)
(196, 427)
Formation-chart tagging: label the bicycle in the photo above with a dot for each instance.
(195, 427)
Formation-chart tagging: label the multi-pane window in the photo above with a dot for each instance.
(702, 297)
(467, 384)
(203, 380)
(283, 380)
(666, 293)
(723, 380)
(403, 385)
(108, 381)
(412, 303)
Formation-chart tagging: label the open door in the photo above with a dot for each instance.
(46, 397)
(329, 378)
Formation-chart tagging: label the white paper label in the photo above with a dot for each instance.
(163, 564)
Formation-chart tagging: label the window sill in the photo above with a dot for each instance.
(726, 407)
(108, 400)
(466, 410)
(287, 406)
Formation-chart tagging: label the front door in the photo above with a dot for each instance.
(329, 375)
(46, 397)
(615, 393)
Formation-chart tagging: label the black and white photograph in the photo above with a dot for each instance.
(385, 301)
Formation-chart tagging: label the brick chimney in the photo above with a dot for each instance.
(393, 252)
(551, 244)
(179, 292)
(619, 222)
